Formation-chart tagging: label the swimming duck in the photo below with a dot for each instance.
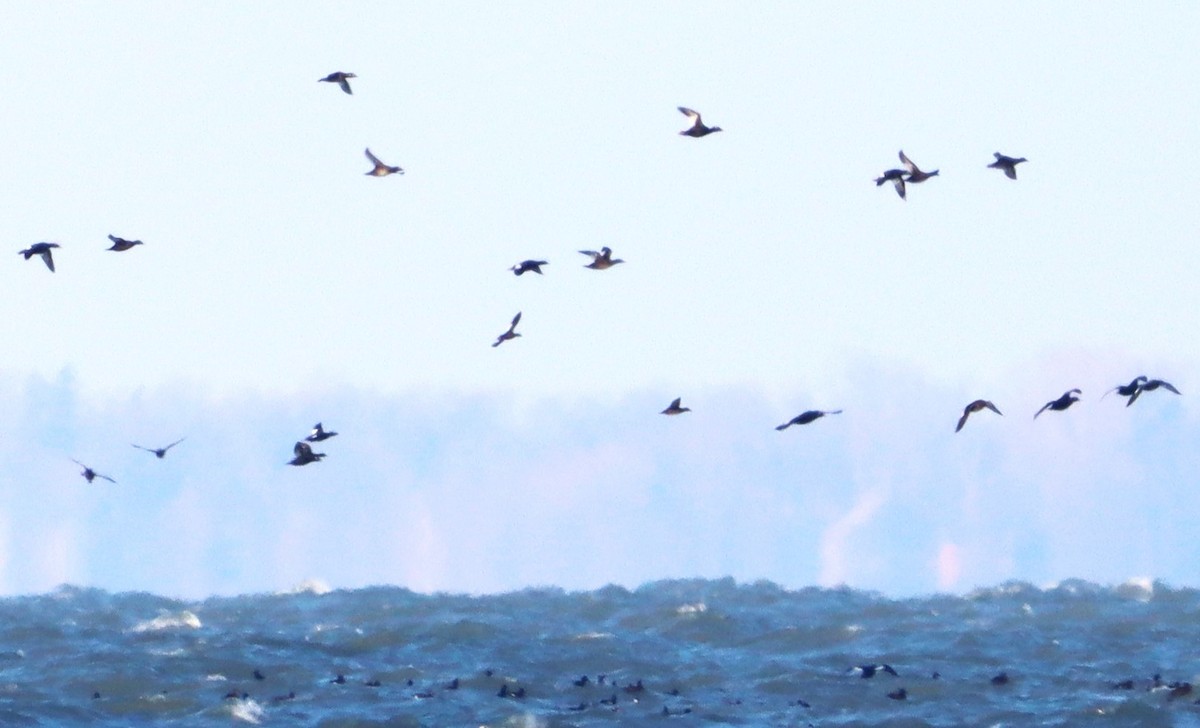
(1069, 398)
(697, 129)
(1008, 164)
(914, 173)
(868, 671)
(42, 249)
(896, 177)
(975, 406)
(319, 433)
(381, 169)
(511, 333)
(526, 266)
(674, 408)
(120, 244)
(304, 454)
(900, 694)
(805, 417)
(89, 475)
(341, 79)
(160, 452)
(601, 260)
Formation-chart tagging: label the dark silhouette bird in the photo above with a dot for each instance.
(1154, 384)
(900, 694)
(1001, 679)
(341, 78)
(1131, 390)
(869, 671)
(975, 406)
(160, 452)
(1008, 164)
(304, 454)
(601, 260)
(381, 169)
(526, 266)
(805, 417)
(1069, 398)
(697, 129)
(511, 333)
(89, 475)
(319, 433)
(896, 177)
(915, 174)
(583, 681)
(674, 408)
(121, 244)
(42, 249)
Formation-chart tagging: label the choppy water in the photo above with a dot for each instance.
(706, 652)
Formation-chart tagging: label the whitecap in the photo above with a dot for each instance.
(247, 710)
(168, 621)
(309, 586)
(697, 608)
(1139, 588)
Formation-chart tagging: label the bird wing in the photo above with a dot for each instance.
(592, 253)
(168, 447)
(101, 475)
(515, 321)
(908, 163)
(675, 403)
(301, 448)
(992, 407)
(345, 84)
(49, 259)
(899, 182)
(1043, 409)
(693, 115)
(963, 420)
(139, 447)
(1167, 386)
(373, 158)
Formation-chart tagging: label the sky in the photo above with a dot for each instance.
(766, 274)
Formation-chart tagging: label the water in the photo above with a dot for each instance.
(707, 652)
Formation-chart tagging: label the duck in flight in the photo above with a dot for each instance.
(319, 433)
(1069, 398)
(601, 260)
(380, 169)
(526, 266)
(511, 333)
(89, 475)
(977, 405)
(806, 417)
(697, 129)
(304, 454)
(1131, 390)
(160, 452)
(121, 244)
(674, 408)
(341, 78)
(42, 249)
(896, 177)
(915, 174)
(1008, 164)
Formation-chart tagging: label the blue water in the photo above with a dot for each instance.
(706, 652)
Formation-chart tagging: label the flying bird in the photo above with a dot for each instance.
(160, 452)
(511, 333)
(1069, 398)
(977, 405)
(89, 475)
(915, 174)
(601, 260)
(1154, 384)
(1131, 390)
(42, 249)
(121, 244)
(805, 417)
(869, 671)
(526, 266)
(697, 129)
(319, 433)
(381, 169)
(674, 408)
(1008, 164)
(304, 454)
(341, 79)
(896, 177)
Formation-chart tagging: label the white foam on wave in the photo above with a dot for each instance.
(586, 636)
(168, 621)
(309, 586)
(247, 710)
(697, 608)
(1140, 588)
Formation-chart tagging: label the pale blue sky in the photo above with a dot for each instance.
(766, 275)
